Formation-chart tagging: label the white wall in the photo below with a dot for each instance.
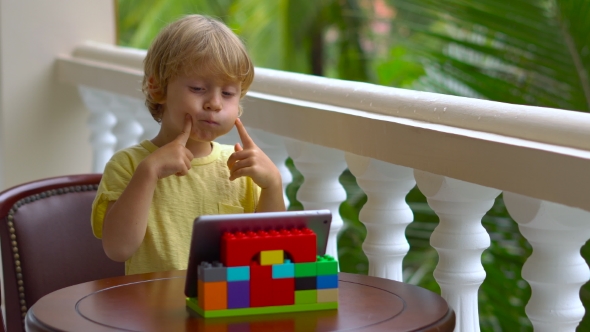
(43, 129)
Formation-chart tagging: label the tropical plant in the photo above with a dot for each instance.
(533, 52)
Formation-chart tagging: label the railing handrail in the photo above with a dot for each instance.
(538, 152)
(539, 124)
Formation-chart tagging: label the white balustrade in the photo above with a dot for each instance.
(128, 130)
(555, 270)
(143, 116)
(101, 122)
(321, 167)
(274, 147)
(386, 213)
(460, 240)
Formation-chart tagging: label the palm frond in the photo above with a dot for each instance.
(534, 52)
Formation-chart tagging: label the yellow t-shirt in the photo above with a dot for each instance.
(177, 201)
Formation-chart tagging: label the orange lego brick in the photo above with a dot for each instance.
(212, 295)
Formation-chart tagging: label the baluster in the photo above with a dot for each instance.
(555, 270)
(386, 213)
(460, 240)
(101, 123)
(128, 130)
(321, 167)
(149, 126)
(274, 147)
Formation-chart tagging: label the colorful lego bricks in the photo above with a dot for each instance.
(192, 303)
(266, 272)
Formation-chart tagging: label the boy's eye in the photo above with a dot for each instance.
(228, 93)
(196, 88)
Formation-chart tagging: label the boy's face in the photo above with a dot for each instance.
(213, 105)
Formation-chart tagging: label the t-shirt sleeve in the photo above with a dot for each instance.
(255, 194)
(117, 174)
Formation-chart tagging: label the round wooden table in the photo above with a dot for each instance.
(156, 302)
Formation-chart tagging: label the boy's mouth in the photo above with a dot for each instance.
(209, 122)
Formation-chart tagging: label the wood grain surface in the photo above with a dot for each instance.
(156, 302)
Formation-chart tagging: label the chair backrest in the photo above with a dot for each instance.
(47, 243)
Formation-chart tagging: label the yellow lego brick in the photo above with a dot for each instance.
(271, 257)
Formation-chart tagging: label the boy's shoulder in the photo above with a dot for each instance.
(134, 153)
(225, 150)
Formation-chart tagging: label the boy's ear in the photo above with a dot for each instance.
(155, 90)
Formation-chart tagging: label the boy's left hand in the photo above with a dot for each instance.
(252, 161)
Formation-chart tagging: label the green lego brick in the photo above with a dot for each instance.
(306, 269)
(326, 265)
(193, 304)
(306, 296)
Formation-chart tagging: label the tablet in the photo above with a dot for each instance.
(207, 232)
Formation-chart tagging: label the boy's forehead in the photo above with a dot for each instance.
(209, 73)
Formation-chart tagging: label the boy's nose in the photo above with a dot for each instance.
(213, 103)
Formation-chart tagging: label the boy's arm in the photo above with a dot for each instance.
(271, 200)
(126, 219)
(253, 162)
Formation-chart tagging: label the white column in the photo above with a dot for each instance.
(386, 213)
(150, 127)
(321, 167)
(460, 240)
(555, 270)
(101, 123)
(127, 130)
(274, 147)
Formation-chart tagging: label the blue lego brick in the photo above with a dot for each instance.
(238, 294)
(212, 272)
(327, 281)
(238, 273)
(281, 271)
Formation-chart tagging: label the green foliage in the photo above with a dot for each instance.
(397, 69)
(533, 52)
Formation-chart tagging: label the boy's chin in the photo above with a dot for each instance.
(209, 136)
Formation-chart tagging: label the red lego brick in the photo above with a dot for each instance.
(239, 248)
(283, 291)
(260, 272)
(260, 293)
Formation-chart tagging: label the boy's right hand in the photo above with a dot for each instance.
(172, 158)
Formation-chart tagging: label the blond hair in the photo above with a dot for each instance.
(183, 47)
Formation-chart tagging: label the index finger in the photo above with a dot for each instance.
(186, 131)
(247, 141)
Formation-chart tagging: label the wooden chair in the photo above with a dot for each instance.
(46, 242)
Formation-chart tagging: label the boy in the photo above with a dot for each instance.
(196, 72)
